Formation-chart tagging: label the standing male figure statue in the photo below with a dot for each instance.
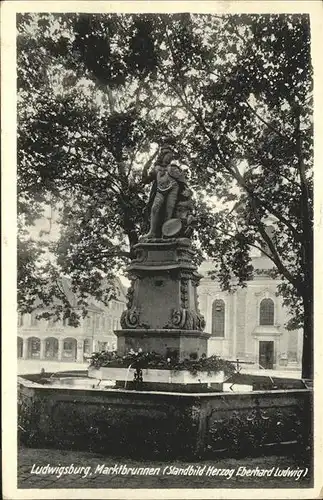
(169, 182)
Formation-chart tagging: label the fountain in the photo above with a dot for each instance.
(176, 397)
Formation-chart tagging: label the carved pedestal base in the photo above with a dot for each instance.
(162, 312)
(167, 342)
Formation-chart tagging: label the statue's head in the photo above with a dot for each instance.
(166, 155)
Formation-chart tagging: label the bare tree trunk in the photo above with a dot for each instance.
(307, 358)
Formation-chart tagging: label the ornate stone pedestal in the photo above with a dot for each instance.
(162, 312)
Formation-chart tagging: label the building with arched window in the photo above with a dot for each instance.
(249, 324)
(49, 340)
(266, 312)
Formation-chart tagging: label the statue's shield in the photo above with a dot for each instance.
(172, 228)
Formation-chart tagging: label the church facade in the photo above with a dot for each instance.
(249, 324)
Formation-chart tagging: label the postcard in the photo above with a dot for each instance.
(162, 211)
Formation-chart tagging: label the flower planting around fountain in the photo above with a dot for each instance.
(150, 370)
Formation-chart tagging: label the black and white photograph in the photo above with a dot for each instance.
(162, 329)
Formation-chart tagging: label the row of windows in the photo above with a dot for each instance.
(51, 347)
(97, 321)
(266, 315)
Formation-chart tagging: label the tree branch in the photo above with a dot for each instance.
(249, 243)
(276, 257)
(269, 125)
(111, 99)
(111, 177)
(264, 162)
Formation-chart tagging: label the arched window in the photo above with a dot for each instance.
(218, 317)
(267, 311)
(51, 348)
(33, 347)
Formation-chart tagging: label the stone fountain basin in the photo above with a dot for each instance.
(157, 375)
(123, 422)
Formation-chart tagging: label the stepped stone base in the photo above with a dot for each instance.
(166, 342)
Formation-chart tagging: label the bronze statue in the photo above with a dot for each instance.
(170, 196)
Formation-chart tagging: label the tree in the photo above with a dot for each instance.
(232, 94)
